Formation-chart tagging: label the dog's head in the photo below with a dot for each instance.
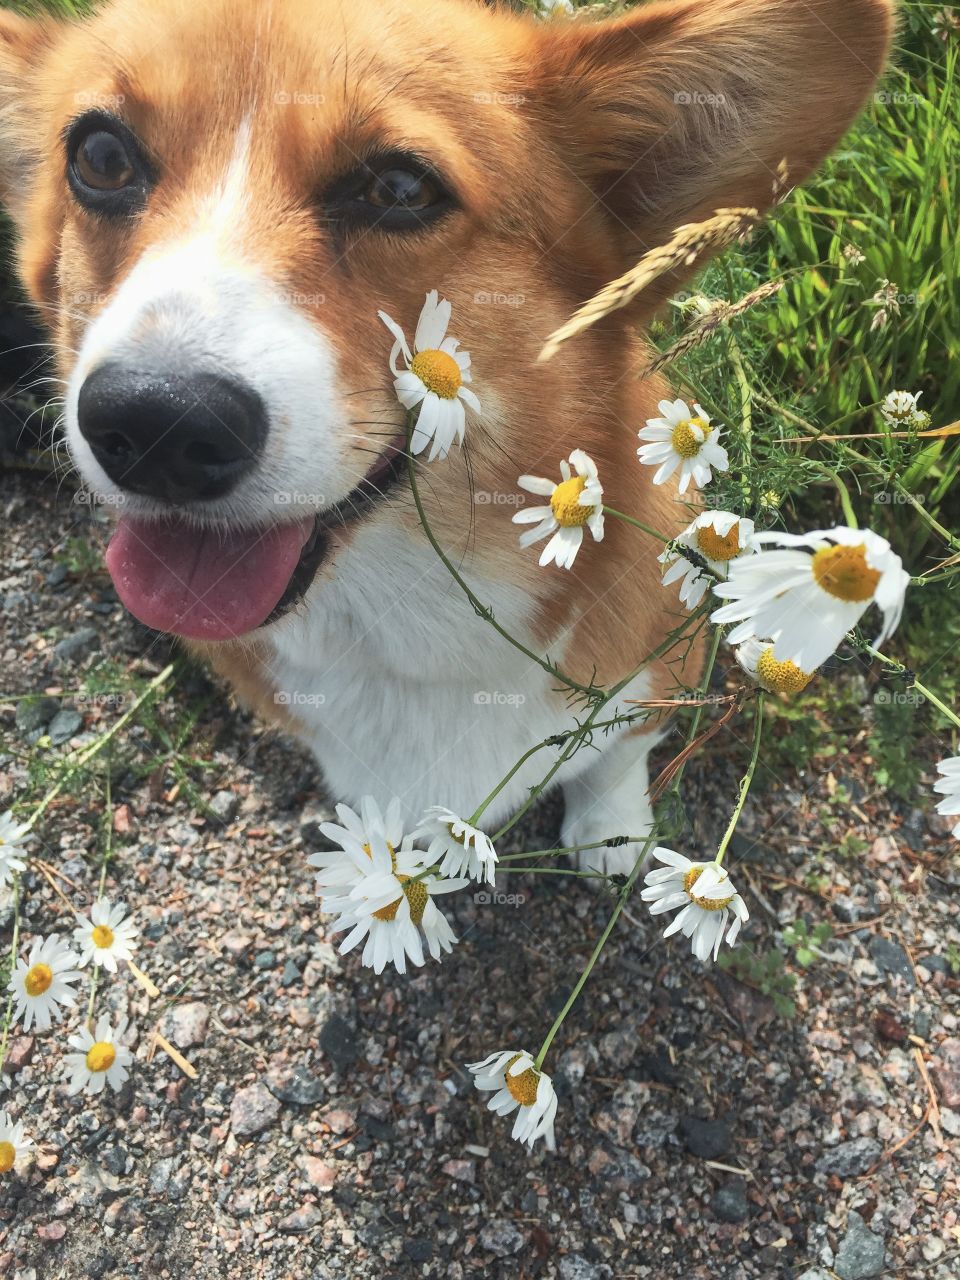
(214, 200)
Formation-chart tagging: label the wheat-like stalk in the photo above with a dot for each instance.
(688, 243)
(701, 329)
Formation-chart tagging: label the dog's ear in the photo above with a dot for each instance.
(24, 43)
(685, 107)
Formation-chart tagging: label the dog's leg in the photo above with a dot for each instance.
(609, 798)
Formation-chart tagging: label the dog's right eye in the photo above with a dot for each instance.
(106, 168)
(102, 163)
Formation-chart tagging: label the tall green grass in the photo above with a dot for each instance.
(891, 192)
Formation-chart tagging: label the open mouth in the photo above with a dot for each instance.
(217, 584)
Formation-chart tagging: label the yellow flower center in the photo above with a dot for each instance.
(415, 891)
(439, 373)
(38, 979)
(8, 1156)
(522, 1086)
(843, 572)
(688, 437)
(715, 547)
(101, 1056)
(565, 503)
(102, 936)
(780, 677)
(707, 904)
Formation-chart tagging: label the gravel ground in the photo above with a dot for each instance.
(331, 1130)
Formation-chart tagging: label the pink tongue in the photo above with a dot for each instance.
(206, 584)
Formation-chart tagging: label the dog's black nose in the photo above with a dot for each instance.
(177, 439)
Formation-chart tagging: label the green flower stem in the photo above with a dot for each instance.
(85, 754)
(698, 714)
(107, 850)
(482, 610)
(562, 871)
(848, 512)
(746, 406)
(595, 955)
(916, 684)
(637, 524)
(577, 848)
(556, 740)
(745, 782)
(14, 943)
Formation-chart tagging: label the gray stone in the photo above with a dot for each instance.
(729, 1202)
(418, 1250)
(890, 958)
(338, 1040)
(709, 1139)
(618, 1047)
(77, 646)
(291, 974)
(186, 1024)
(575, 1267)
(850, 910)
(64, 725)
(264, 960)
(501, 1238)
(296, 1085)
(861, 1252)
(945, 1069)
(253, 1110)
(34, 714)
(850, 1158)
(159, 1176)
(100, 1265)
(815, 1273)
(224, 805)
(306, 1218)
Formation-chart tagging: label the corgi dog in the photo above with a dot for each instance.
(214, 201)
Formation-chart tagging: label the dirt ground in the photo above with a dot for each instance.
(332, 1131)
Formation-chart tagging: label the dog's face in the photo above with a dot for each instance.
(214, 201)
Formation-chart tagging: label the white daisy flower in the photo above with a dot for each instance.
(433, 379)
(901, 409)
(704, 893)
(682, 438)
(518, 1086)
(949, 787)
(101, 1059)
(44, 982)
(460, 850)
(810, 590)
(106, 936)
(757, 660)
(373, 884)
(14, 1144)
(547, 8)
(576, 501)
(12, 839)
(717, 537)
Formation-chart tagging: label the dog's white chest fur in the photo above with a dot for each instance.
(402, 690)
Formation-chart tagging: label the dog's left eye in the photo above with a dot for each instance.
(396, 192)
(402, 189)
(105, 166)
